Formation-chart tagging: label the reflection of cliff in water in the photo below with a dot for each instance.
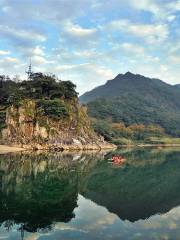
(148, 184)
(37, 190)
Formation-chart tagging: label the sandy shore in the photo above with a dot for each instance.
(8, 149)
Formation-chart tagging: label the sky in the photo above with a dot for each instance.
(91, 41)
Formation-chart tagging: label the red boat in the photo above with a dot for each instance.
(118, 160)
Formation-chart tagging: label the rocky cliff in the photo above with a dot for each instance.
(27, 126)
(44, 113)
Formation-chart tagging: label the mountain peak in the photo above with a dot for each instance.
(125, 75)
(136, 99)
(129, 74)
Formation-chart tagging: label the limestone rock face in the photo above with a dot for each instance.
(27, 127)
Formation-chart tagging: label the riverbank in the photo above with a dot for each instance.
(57, 148)
(149, 145)
(70, 147)
(8, 149)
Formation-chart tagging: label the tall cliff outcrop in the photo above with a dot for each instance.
(41, 116)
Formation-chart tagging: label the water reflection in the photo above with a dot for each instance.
(39, 189)
(82, 196)
(148, 184)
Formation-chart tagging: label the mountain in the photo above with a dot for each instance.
(135, 99)
(177, 86)
(45, 114)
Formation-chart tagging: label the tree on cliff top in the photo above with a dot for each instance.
(40, 87)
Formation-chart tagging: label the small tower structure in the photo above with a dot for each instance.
(29, 71)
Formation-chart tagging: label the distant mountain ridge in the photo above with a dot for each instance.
(104, 90)
(177, 85)
(133, 98)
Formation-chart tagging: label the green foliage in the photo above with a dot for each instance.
(69, 90)
(47, 87)
(163, 140)
(123, 141)
(103, 128)
(132, 111)
(119, 134)
(8, 89)
(134, 99)
(40, 87)
(52, 108)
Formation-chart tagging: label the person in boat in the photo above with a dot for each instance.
(118, 159)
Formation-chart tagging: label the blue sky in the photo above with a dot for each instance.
(91, 41)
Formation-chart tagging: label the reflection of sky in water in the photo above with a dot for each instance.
(95, 222)
(150, 177)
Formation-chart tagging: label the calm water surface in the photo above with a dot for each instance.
(83, 196)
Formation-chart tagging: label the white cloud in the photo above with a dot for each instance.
(174, 5)
(173, 47)
(77, 31)
(79, 55)
(152, 33)
(161, 10)
(38, 51)
(10, 66)
(53, 11)
(171, 18)
(86, 75)
(133, 48)
(87, 69)
(88, 54)
(2, 52)
(100, 220)
(10, 60)
(164, 72)
(38, 60)
(174, 59)
(147, 5)
(78, 36)
(38, 56)
(83, 51)
(28, 34)
(135, 53)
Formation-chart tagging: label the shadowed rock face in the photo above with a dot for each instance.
(27, 127)
(137, 191)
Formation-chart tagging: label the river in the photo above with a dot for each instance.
(78, 196)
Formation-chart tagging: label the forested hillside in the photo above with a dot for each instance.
(132, 99)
